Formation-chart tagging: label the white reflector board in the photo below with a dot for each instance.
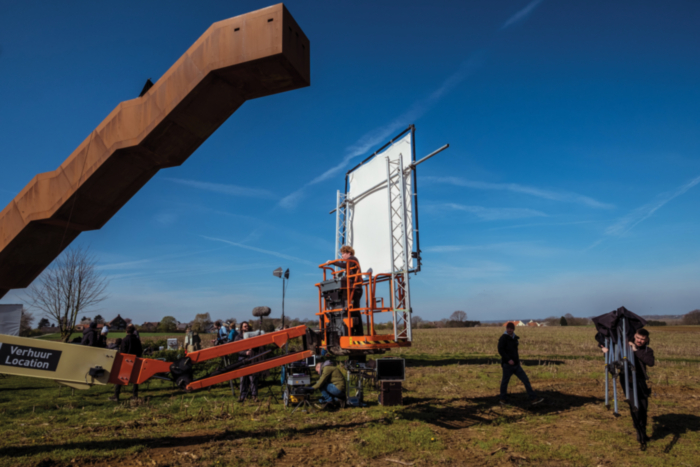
(10, 317)
(368, 223)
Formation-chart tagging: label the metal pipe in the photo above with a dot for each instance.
(437, 151)
(633, 362)
(615, 394)
(616, 351)
(625, 347)
(416, 232)
(607, 358)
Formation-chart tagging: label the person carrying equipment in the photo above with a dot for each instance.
(624, 342)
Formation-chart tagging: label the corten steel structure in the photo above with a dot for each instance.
(249, 56)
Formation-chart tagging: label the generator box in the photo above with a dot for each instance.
(299, 380)
(390, 393)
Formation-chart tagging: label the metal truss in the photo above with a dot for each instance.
(399, 226)
(341, 222)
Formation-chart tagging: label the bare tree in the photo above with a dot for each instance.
(692, 317)
(552, 321)
(25, 322)
(201, 322)
(168, 324)
(458, 315)
(70, 286)
(416, 320)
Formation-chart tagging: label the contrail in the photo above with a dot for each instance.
(642, 213)
(521, 15)
(524, 189)
(225, 189)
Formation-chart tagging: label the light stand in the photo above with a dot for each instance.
(285, 277)
(278, 273)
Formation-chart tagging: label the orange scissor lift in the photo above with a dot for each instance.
(130, 369)
(338, 318)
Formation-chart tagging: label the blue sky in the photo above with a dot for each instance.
(570, 185)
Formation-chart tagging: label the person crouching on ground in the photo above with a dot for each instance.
(331, 383)
(510, 362)
(644, 357)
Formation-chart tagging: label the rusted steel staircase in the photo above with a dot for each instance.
(249, 56)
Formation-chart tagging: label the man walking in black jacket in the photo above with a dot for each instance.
(510, 362)
(131, 345)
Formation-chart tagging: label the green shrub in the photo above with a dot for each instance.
(652, 322)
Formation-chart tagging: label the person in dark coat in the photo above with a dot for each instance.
(248, 383)
(644, 357)
(91, 337)
(510, 362)
(130, 345)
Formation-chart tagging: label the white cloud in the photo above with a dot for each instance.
(561, 196)
(493, 214)
(139, 264)
(509, 248)
(260, 250)
(521, 15)
(642, 213)
(166, 218)
(225, 189)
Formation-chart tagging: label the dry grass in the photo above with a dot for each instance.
(450, 414)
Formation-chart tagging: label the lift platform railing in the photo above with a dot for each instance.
(372, 305)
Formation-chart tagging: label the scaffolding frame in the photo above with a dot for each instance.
(398, 229)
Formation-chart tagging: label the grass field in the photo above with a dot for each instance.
(450, 414)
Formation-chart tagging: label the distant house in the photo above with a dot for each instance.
(516, 323)
(118, 324)
(84, 324)
(533, 324)
(182, 327)
(149, 327)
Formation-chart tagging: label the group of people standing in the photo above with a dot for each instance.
(227, 332)
(93, 337)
